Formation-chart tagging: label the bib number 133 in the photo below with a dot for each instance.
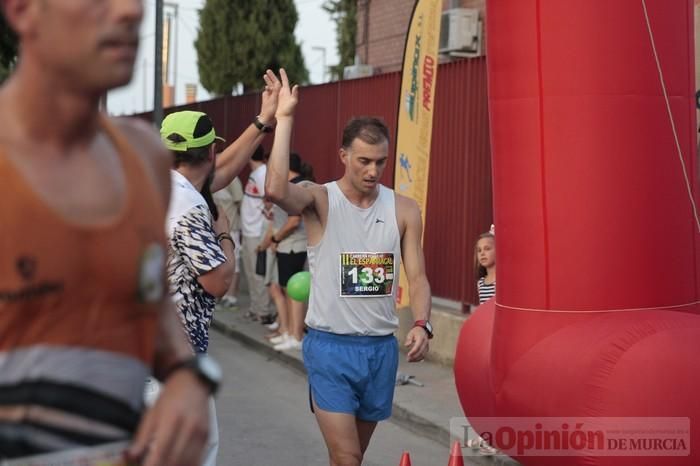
(366, 274)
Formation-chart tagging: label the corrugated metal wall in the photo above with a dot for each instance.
(459, 198)
(459, 194)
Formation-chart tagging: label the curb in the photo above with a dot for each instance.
(400, 415)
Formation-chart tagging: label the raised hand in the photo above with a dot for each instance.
(288, 97)
(269, 98)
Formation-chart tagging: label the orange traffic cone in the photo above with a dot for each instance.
(405, 459)
(456, 455)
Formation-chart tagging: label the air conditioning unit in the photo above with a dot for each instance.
(357, 71)
(461, 32)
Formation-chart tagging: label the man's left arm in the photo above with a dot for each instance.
(293, 222)
(231, 161)
(414, 265)
(174, 431)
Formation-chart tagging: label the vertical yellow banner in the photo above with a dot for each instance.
(416, 108)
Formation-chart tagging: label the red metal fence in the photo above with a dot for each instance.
(459, 197)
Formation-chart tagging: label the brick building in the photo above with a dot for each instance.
(381, 34)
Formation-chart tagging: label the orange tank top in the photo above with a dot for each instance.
(65, 284)
(78, 306)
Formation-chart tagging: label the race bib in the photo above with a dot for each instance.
(366, 274)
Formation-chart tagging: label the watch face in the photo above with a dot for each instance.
(210, 368)
(429, 327)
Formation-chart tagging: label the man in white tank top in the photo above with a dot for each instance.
(358, 233)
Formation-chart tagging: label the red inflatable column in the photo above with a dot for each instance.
(591, 203)
(593, 126)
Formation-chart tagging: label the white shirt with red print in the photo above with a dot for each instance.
(252, 207)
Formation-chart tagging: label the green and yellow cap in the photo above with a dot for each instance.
(186, 130)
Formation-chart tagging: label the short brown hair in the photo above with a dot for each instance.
(368, 129)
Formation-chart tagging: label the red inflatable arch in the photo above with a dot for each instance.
(596, 312)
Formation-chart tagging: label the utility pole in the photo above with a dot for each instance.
(174, 34)
(158, 81)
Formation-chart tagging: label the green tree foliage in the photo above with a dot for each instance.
(8, 49)
(239, 39)
(344, 13)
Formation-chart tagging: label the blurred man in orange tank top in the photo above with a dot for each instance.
(84, 312)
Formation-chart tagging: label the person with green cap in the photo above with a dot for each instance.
(201, 256)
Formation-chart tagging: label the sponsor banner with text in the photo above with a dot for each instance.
(416, 109)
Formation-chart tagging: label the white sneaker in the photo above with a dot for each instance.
(229, 301)
(290, 344)
(487, 450)
(273, 326)
(474, 443)
(279, 339)
(480, 444)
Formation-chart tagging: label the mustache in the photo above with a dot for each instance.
(128, 37)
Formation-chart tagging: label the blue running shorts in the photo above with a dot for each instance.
(352, 374)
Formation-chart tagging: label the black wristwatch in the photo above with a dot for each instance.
(204, 367)
(425, 325)
(261, 126)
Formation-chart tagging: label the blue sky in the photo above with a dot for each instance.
(314, 29)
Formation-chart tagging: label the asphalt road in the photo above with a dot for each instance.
(264, 418)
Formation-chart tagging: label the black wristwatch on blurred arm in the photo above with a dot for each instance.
(204, 367)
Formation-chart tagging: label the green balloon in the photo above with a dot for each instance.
(299, 286)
